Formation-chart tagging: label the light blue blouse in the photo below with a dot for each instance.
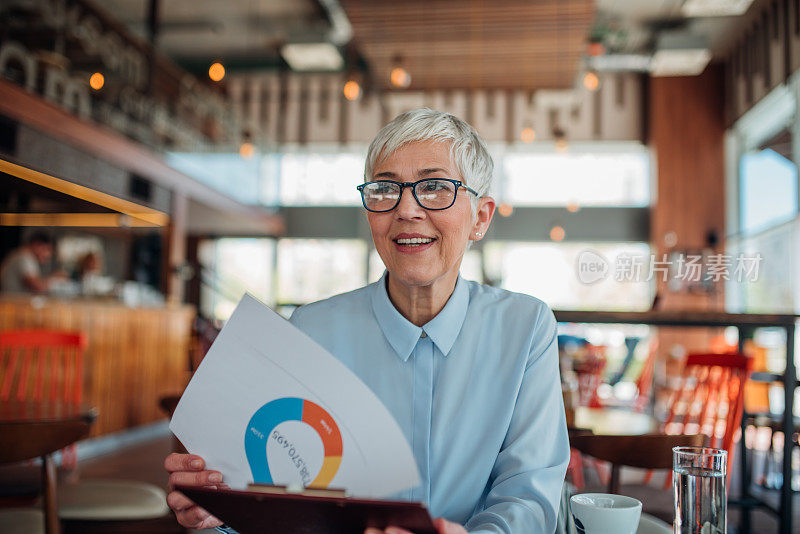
(476, 391)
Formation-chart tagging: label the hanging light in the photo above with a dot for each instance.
(595, 49)
(557, 233)
(216, 72)
(573, 207)
(505, 209)
(246, 150)
(399, 76)
(527, 135)
(591, 81)
(97, 81)
(560, 138)
(352, 90)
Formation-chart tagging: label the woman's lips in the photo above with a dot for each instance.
(412, 245)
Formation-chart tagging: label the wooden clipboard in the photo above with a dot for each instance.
(257, 512)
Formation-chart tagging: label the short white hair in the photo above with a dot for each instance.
(467, 148)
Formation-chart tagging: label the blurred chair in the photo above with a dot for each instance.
(710, 399)
(591, 373)
(42, 365)
(644, 382)
(23, 441)
(575, 466)
(648, 451)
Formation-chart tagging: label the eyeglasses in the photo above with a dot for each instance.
(431, 193)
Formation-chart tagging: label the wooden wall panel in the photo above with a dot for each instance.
(686, 133)
(134, 355)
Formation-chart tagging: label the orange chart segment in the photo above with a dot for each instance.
(329, 468)
(321, 421)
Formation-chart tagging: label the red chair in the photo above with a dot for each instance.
(710, 399)
(41, 366)
(31, 358)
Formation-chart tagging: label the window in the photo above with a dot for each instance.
(768, 190)
(307, 178)
(231, 267)
(549, 271)
(318, 179)
(314, 269)
(586, 179)
(231, 174)
(770, 287)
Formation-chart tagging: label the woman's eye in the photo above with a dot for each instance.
(430, 187)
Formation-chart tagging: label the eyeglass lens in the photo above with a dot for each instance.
(431, 194)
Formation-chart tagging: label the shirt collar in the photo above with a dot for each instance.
(403, 335)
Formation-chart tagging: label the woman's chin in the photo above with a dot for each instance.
(415, 277)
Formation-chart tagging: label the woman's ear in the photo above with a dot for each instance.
(483, 218)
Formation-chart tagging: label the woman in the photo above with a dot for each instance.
(470, 372)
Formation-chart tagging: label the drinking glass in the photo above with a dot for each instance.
(699, 480)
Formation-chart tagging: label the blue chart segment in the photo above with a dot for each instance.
(284, 409)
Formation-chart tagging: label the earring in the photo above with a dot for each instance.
(478, 234)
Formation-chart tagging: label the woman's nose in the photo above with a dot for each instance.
(408, 208)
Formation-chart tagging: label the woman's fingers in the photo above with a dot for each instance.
(196, 517)
(188, 513)
(183, 462)
(188, 470)
(202, 478)
(178, 501)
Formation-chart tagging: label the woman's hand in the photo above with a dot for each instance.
(188, 470)
(443, 526)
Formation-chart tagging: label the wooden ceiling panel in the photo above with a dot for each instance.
(448, 44)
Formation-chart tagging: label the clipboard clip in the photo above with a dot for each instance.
(297, 490)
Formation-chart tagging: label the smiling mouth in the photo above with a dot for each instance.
(414, 241)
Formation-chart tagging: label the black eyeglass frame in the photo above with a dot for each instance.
(413, 185)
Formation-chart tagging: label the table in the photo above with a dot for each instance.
(614, 422)
(31, 430)
(744, 322)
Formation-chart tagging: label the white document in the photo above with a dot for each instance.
(269, 405)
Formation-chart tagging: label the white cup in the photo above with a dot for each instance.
(605, 513)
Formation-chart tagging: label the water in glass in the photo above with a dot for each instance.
(700, 500)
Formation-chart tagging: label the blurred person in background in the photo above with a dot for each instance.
(21, 270)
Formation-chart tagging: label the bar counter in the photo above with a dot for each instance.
(134, 356)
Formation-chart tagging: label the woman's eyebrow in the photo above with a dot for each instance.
(421, 172)
(426, 172)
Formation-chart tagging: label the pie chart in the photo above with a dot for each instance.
(265, 419)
